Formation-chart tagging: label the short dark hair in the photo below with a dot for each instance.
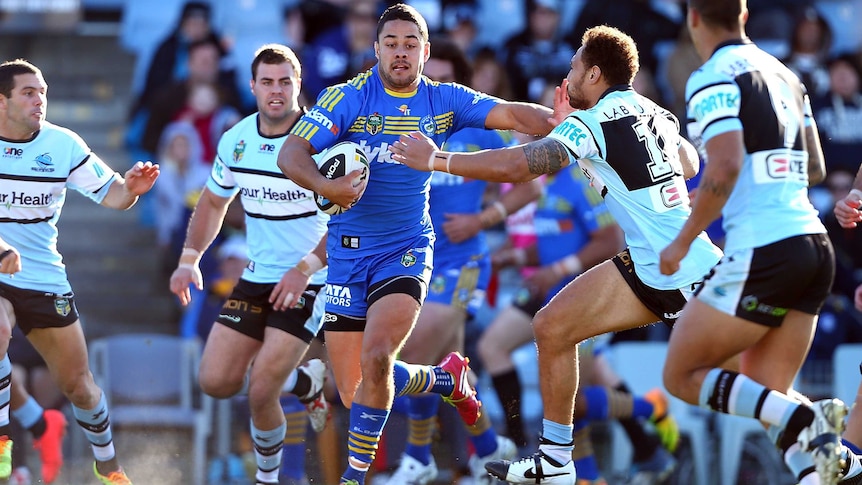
(445, 50)
(724, 14)
(10, 69)
(613, 51)
(401, 11)
(208, 41)
(275, 54)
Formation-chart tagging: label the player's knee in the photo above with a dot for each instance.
(488, 349)
(377, 365)
(79, 388)
(549, 330)
(217, 386)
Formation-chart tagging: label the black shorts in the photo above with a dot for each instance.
(665, 304)
(528, 303)
(248, 311)
(762, 284)
(21, 351)
(39, 309)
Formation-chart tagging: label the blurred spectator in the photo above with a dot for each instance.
(171, 100)
(682, 62)
(459, 25)
(843, 17)
(537, 56)
(490, 76)
(210, 117)
(839, 115)
(646, 24)
(341, 52)
(809, 51)
(847, 242)
(183, 174)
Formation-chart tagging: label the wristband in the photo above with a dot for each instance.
(488, 219)
(436, 156)
(190, 252)
(190, 256)
(309, 264)
(501, 209)
(857, 193)
(190, 266)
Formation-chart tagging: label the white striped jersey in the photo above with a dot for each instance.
(34, 175)
(282, 220)
(743, 88)
(628, 147)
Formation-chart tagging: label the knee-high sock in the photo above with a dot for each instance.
(363, 436)
(751, 399)
(267, 451)
(508, 388)
(97, 428)
(31, 416)
(422, 418)
(293, 449)
(416, 379)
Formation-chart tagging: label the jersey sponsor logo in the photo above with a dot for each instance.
(323, 120)
(404, 109)
(62, 305)
(350, 242)
(672, 316)
(665, 196)
(238, 151)
(751, 304)
(374, 123)
(330, 317)
(21, 199)
(44, 163)
(783, 167)
(266, 148)
(427, 125)
(338, 295)
(262, 194)
(571, 131)
(232, 318)
(12, 152)
(715, 102)
(242, 306)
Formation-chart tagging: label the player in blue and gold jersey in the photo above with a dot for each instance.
(380, 251)
(40, 162)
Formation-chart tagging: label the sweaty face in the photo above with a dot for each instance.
(25, 109)
(276, 89)
(577, 77)
(401, 53)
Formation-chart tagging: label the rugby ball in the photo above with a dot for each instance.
(337, 161)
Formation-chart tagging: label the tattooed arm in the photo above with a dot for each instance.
(514, 164)
(725, 153)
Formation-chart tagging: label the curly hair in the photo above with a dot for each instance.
(613, 51)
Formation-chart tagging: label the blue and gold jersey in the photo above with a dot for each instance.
(454, 194)
(394, 207)
(282, 221)
(34, 176)
(742, 88)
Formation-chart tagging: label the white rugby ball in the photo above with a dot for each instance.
(338, 161)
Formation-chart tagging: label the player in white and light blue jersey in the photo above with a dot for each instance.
(752, 118)
(633, 154)
(380, 251)
(40, 161)
(267, 318)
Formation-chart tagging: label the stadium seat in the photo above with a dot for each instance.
(845, 377)
(640, 364)
(149, 380)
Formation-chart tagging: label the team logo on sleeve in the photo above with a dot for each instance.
(62, 305)
(427, 125)
(374, 123)
(238, 151)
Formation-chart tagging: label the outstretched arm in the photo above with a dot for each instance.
(512, 164)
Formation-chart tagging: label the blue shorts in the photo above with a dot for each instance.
(461, 284)
(349, 280)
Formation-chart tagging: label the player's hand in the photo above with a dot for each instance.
(182, 278)
(288, 290)
(562, 108)
(847, 211)
(461, 227)
(414, 150)
(342, 190)
(670, 257)
(141, 177)
(10, 261)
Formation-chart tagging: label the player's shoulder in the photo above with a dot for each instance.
(59, 133)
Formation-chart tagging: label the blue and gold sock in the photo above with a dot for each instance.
(363, 436)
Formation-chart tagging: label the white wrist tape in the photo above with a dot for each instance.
(570, 265)
(439, 157)
(857, 193)
(309, 264)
